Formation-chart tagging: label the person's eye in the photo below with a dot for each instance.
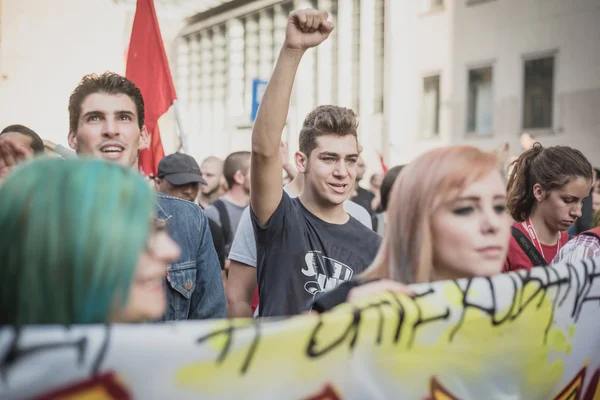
(125, 117)
(93, 118)
(568, 200)
(329, 159)
(464, 211)
(500, 208)
(351, 161)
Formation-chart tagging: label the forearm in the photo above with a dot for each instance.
(239, 309)
(273, 111)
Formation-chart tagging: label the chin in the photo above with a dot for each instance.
(154, 311)
(336, 199)
(489, 268)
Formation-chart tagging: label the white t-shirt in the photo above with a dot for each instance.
(243, 248)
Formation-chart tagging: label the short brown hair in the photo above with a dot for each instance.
(238, 161)
(108, 82)
(551, 167)
(326, 120)
(37, 144)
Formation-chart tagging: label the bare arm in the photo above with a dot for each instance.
(305, 29)
(240, 289)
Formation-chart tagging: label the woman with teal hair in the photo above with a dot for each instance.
(80, 245)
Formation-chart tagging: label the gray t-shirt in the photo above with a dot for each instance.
(300, 255)
(243, 248)
(235, 213)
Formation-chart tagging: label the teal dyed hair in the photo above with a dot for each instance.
(72, 232)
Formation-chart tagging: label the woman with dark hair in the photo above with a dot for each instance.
(546, 190)
(384, 190)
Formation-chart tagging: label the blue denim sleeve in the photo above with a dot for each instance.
(208, 299)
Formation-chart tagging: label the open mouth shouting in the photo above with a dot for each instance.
(339, 188)
(112, 151)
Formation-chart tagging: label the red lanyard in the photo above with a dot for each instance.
(536, 242)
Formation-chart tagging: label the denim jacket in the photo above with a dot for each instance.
(194, 283)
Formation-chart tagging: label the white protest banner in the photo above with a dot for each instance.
(527, 335)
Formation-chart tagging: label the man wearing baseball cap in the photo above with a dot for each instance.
(179, 176)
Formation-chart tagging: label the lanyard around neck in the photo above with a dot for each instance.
(536, 242)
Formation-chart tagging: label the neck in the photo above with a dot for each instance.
(206, 200)
(443, 274)
(545, 233)
(238, 196)
(328, 212)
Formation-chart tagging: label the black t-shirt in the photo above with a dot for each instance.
(300, 256)
(364, 198)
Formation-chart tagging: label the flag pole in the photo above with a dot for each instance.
(182, 135)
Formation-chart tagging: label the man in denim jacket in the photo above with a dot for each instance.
(195, 286)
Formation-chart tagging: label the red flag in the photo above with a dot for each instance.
(383, 166)
(148, 68)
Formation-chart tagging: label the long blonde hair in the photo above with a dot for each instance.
(406, 253)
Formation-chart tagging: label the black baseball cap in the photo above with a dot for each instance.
(180, 169)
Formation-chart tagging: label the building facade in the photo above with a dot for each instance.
(419, 73)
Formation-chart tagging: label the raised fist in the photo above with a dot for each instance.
(307, 28)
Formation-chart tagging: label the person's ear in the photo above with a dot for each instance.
(73, 142)
(301, 161)
(144, 138)
(538, 192)
(239, 177)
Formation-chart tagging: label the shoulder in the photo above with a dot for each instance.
(366, 235)
(245, 225)
(212, 213)
(356, 210)
(176, 207)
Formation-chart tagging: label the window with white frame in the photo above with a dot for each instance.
(480, 101)
(538, 92)
(430, 107)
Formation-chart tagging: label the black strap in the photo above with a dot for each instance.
(225, 224)
(528, 248)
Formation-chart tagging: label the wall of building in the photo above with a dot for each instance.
(503, 32)
(338, 72)
(500, 33)
(47, 46)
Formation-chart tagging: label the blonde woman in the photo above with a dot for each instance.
(447, 219)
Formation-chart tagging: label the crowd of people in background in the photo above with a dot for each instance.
(263, 232)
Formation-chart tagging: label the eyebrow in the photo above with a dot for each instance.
(336, 155)
(97, 112)
(478, 198)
